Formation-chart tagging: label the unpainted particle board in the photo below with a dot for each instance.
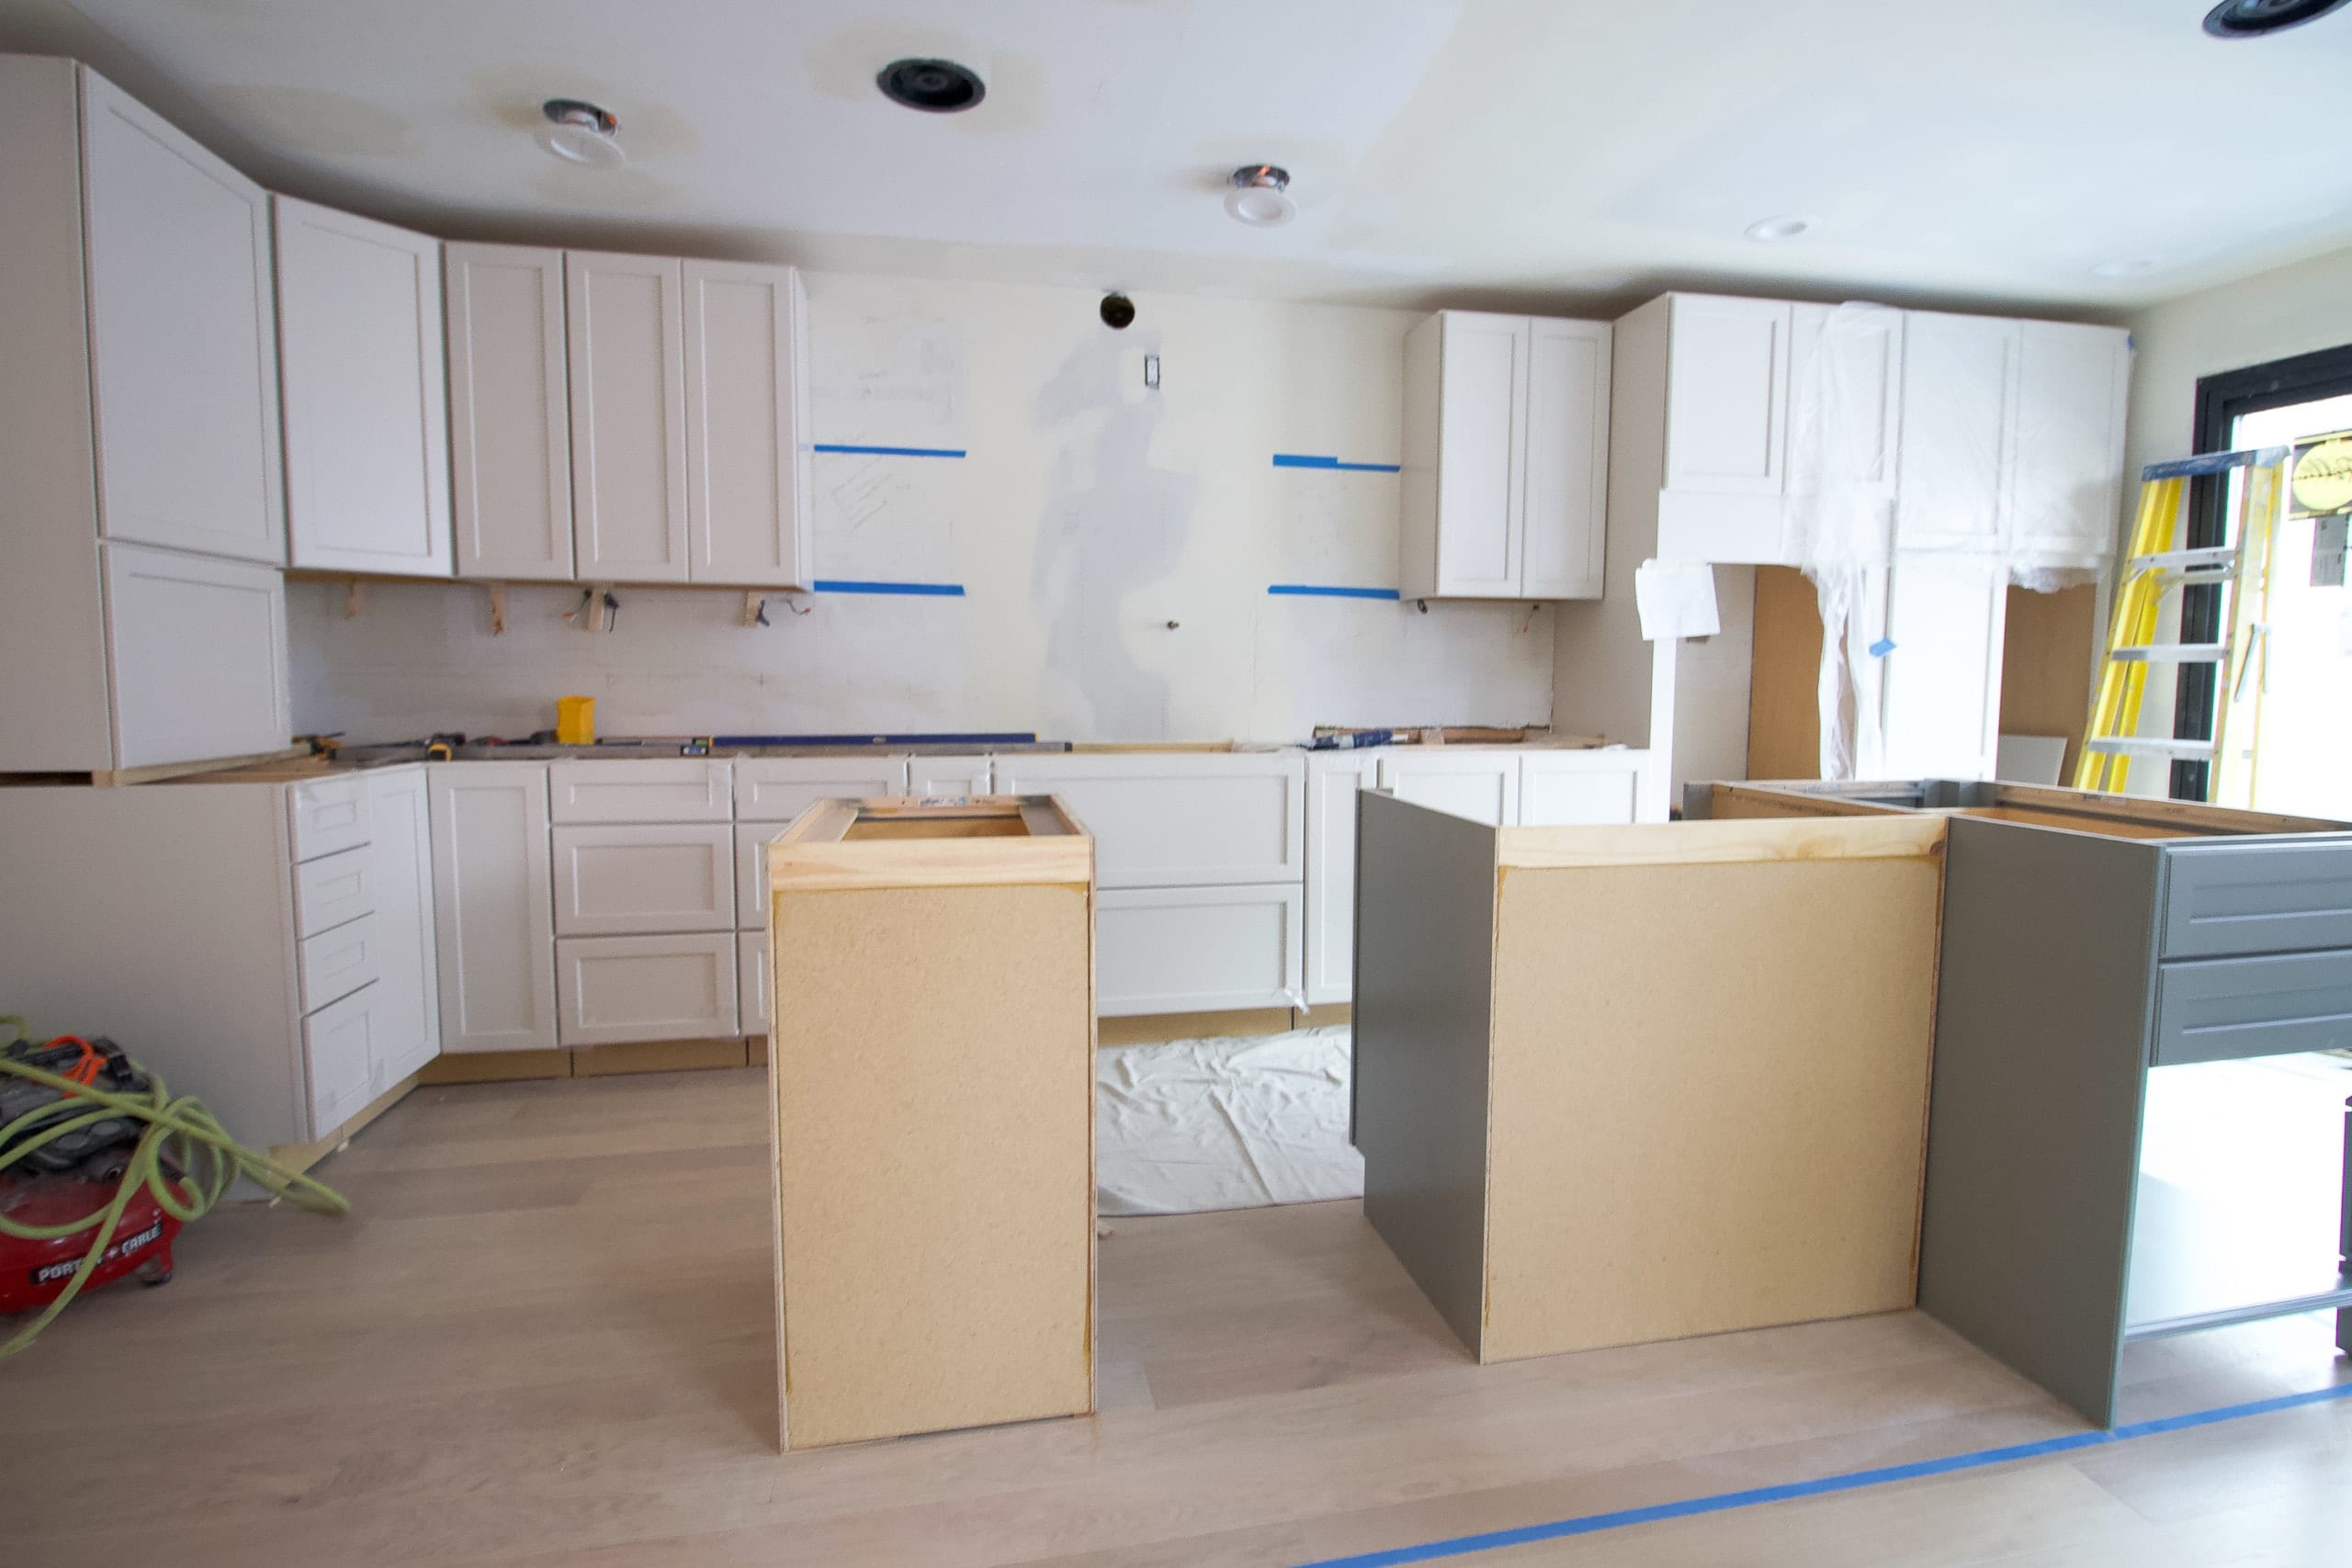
(1708, 1092)
(933, 1062)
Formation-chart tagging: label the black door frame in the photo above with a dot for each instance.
(2222, 398)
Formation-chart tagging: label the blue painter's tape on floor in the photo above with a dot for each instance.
(921, 590)
(1313, 591)
(892, 451)
(1852, 1481)
(1307, 461)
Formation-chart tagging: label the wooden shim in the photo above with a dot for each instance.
(1889, 836)
(157, 773)
(1736, 800)
(2187, 815)
(932, 1066)
(1708, 1092)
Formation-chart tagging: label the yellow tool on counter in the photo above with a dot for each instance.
(575, 721)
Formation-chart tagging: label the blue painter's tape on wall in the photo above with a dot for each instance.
(921, 590)
(1316, 591)
(892, 451)
(1307, 460)
(1881, 648)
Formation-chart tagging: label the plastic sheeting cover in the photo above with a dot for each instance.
(1192, 1126)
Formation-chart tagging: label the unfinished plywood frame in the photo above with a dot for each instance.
(931, 1074)
(1689, 1070)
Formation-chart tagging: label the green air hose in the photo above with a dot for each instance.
(182, 1129)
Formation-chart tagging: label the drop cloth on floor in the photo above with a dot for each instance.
(1190, 1125)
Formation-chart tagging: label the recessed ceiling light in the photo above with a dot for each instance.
(2129, 266)
(1259, 196)
(935, 86)
(1770, 229)
(579, 132)
(2252, 18)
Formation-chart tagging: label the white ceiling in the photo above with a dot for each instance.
(1991, 150)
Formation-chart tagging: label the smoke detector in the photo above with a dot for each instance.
(581, 132)
(2252, 18)
(1773, 230)
(1259, 196)
(935, 86)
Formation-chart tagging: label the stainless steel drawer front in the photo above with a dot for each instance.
(2277, 896)
(2226, 1008)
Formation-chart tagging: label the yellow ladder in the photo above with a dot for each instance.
(2153, 567)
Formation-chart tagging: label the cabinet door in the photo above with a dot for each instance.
(1870, 367)
(748, 502)
(340, 1051)
(1332, 782)
(183, 341)
(510, 443)
(1173, 819)
(1940, 692)
(1196, 949)
(1480, 784)
(1727, 395)
(626, 347)
(1958, 384)
(639, 880)
(1575, 789)
(493, 917)
(1567, 461)
(1482, 453)
(2073, 382)
(618, 989)
(362, 381)
(956, 775)
(198, 652)
(408, 1011)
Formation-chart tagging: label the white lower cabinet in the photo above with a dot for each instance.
(644, 879)
(614, 991)
(1197, 949)
(399, 850)
(1469, 781)
(1333, 779)
(340, 1050)
(1171, 820)
(957, 776)
(196, 656)
(751, 1009)
(493, 922)
(1574, 789)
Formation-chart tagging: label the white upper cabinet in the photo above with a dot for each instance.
(627, 337)
(748, 502)
(1959, 394)
(1506, 436)
(1939, 691)
(183, 351)
(1728, 394)
(362, 382)
(2066, 484)
(510, 441)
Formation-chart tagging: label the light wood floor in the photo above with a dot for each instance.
(544, 1337)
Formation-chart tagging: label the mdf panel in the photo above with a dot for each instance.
(749, 505)
(183, 342)
(510, 441)
(54, 713)
(198, 656)
(627, 330)
(493, 923)
(1784, 678)
(1482, 453)
(614, 990)
(362, 382)
(1567, 461)
(1683, 1148)
(931, 1064)
(1727, 395)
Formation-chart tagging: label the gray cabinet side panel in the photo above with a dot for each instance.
(1425, 929)
(2033, 1130)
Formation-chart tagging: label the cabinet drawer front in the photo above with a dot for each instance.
(339, 1049)
(1169, 821)
(952, 775)
(659, 789)
(777, 789)
(751, 990)
(336, 963)
(2230, 1008)
(2266, 898)
(618, 881)
(1196, 949)
(613, 990)
(332, 890)
(327, 817)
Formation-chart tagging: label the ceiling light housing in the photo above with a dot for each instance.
(581, 132)
(933, 87)
(1259, 195)
(2254, 18)
(1772, 230)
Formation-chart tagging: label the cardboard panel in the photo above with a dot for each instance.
(1708, 1092)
